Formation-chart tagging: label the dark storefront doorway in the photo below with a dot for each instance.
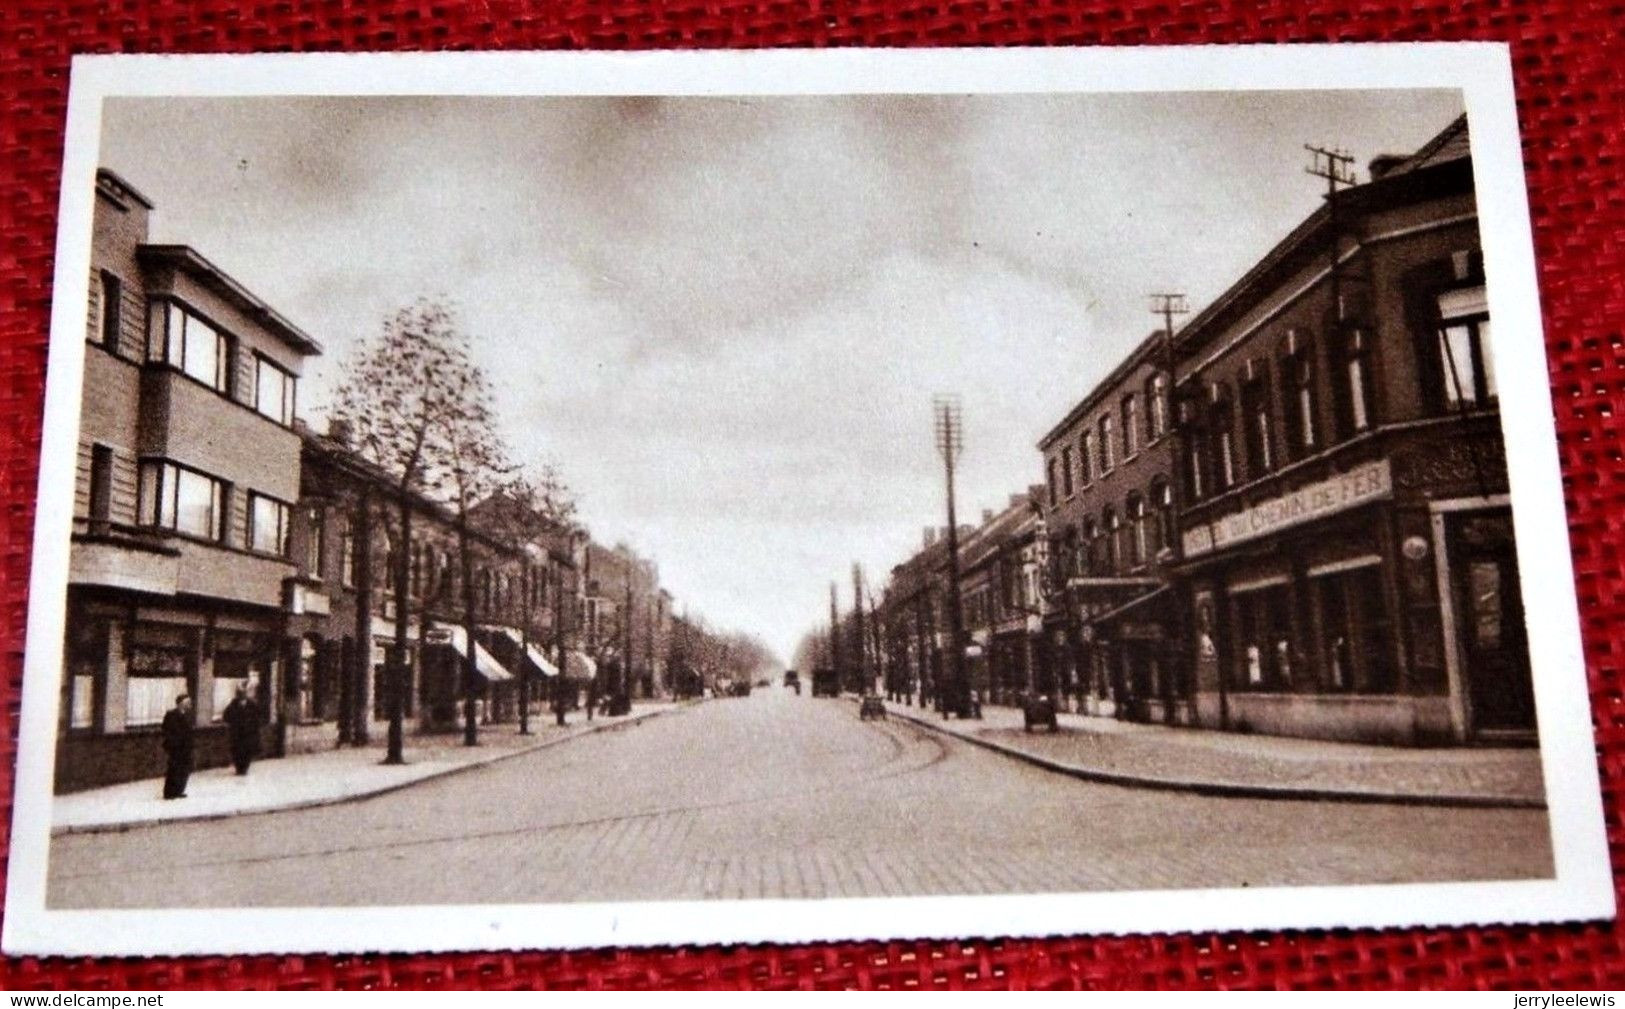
(1490, 624)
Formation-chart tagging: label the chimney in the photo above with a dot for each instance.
(1017, 500)
(987, 515)
(1382, 164)
(340, 431)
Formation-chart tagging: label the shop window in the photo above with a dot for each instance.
(1156, 405)
(1357, 635)
(160, 665)
(241, 659)
(1263, 640)
(1353, 384)
(1255, 410)
(86, 665)
(174, 497)
(183, 340)
(267, 525)
(1465, 364)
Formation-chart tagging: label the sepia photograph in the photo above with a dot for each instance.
(766, 507)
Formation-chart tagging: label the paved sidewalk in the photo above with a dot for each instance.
(1230, 763)
(316, 779)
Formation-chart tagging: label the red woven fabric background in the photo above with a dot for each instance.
(1571, 99)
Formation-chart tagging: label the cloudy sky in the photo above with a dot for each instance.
(724, 319)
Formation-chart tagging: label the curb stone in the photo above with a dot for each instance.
(336, 800)
(1233, 790)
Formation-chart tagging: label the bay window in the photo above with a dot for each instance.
(174, 497)
(182, 340)
(274, 388)
(1466, 365)
(267, 525)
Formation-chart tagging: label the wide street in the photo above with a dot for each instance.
(775, 796)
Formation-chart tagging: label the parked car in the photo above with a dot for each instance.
(825, 683)
(871, 707)
(792, 679)
(1038, 709)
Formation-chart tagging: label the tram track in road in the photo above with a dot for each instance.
(911, 751)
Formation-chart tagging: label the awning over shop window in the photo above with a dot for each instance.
(484, 662)
(579, 666)
(532, 653)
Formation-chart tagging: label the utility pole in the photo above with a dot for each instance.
(626, 663)
(1168, 305)
(860, 677)
(950, 437)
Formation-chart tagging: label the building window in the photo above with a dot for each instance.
(101, 486)
(182, 340)
(1113, 546)
(267, 525)
(1086, 456)
(1107, 452)
(274, 390)
(1131, 425)
(1466, 365)
(161, 658)
(1053, 479)
(109, 298)
(1091, 546)
(1353, 385)
(316, 544)
(174, 497)
(347, 547)
(1066, 470)
(1156, 398)
(1222, 425)
(1255, 409)
(415, 575)
(1162, 498)
(1195, 465)
(1138, 533)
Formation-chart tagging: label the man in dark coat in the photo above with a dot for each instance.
(242, 717)
(178, 746)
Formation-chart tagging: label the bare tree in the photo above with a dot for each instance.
(531, 509)
(404, 400)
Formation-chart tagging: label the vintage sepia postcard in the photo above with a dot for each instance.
(562, 500)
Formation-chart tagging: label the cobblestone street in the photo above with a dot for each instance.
(776, 795)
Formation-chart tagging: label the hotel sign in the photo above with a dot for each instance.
(1370, 482)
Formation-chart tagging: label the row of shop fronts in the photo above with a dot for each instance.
(1290, 516)
(219, 545)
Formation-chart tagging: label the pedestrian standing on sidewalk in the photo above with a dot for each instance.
(242, 717)
(178, 747)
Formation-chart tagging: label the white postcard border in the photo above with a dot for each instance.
(1583, 885)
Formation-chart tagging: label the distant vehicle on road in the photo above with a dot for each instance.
(825, 682)
(792, 680)
(740, 689)
(871, 707)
